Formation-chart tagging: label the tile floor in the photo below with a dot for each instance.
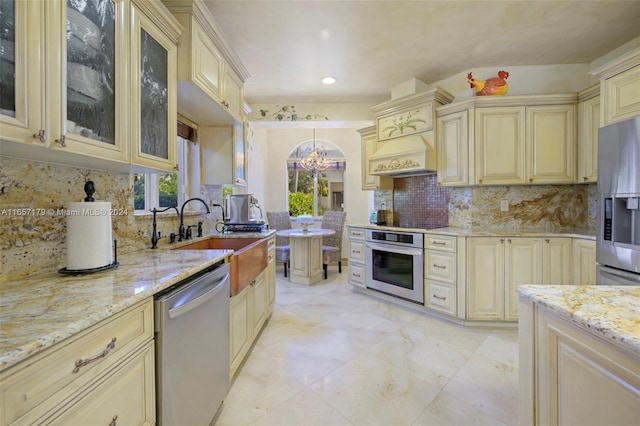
(329, 356)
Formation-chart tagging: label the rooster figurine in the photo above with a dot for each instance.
(491, 86)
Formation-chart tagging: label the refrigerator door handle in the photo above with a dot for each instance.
(615, 276)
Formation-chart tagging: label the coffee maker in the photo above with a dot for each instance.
(237, 208)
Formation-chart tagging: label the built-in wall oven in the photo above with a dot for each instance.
(395, 264)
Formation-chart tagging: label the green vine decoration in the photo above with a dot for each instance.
(288, 113)
(400, 124)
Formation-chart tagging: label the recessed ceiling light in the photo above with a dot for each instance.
(328, 80)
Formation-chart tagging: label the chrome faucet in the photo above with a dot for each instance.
(155, 235)
(181, 230)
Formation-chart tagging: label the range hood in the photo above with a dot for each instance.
(405, 156)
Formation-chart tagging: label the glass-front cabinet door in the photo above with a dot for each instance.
(153, 94)
(21, 71)
(91, 101)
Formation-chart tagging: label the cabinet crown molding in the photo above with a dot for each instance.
(418, 99)
(161, 17)
(618, 65)
(201, 14)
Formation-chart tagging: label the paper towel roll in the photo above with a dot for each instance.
(89, 235)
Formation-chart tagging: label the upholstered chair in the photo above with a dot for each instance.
(280, 221)
(332, 244)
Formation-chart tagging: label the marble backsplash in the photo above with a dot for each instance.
(33, 227)
(546, 207)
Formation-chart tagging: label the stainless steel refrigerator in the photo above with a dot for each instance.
(618, 218)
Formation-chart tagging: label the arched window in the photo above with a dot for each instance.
(315, 191)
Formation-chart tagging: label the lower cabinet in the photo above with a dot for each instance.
(103, 373)
(497, 266)
(584, 262)
(570, 376)
(123, 398)
(440, 273)
(357, 257)
(249, 311)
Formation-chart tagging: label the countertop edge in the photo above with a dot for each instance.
(485, 232)
(617, 323)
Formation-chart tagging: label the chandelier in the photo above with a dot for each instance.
(316, 159)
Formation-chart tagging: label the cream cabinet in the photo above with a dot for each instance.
(104, 372)
(621, 95)
(588, 125)
(369, 142)
(271, 271)
(440, 266)
(570, 375)
(532, 144)
(497, 266)
(223, 158)
(210, 76)
(584, 262)
(153, 87)
(453, 141)
(248, 311)
(551, 143)
(500, 145)
(357, 257)
(79, 84)
(557, 261)
(241, 327)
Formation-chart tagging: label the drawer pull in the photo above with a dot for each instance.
(439, 243)
(357, 275)
(435, 265)
(113, 420)
(82, 362)
(439, 298)
(356, 251)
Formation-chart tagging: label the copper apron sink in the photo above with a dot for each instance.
(248, 260)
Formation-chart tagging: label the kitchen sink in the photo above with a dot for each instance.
(248, 260)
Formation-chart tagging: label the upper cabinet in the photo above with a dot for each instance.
(223, 159)
(69, 83)
(210, 76)
(588, 125)
(452, 141)
(619, 87)
(153, 87)
(500, 140)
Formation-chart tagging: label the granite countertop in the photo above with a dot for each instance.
(40, 311)
(612, 312)
(488, 232)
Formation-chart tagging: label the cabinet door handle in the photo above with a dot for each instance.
(509, 240)
(435, 265)
(479, 180)
(356, 275)
(356, 251)
(114, 420)
(501, 240)
(62, 141)
(585, 178)
(39, 135)
(438, 297)
(547, 240)
(530, 179)
(82, 362)
(439, 243)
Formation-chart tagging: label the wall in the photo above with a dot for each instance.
(36, 243)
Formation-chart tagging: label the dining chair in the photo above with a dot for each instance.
(332, 244)
(280, 221)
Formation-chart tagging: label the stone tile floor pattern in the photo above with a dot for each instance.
(330, 356)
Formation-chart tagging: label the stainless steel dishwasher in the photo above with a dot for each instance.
(192, 348)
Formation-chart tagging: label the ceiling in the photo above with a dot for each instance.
(289, 45)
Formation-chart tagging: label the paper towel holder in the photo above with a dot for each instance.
(113, 265)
